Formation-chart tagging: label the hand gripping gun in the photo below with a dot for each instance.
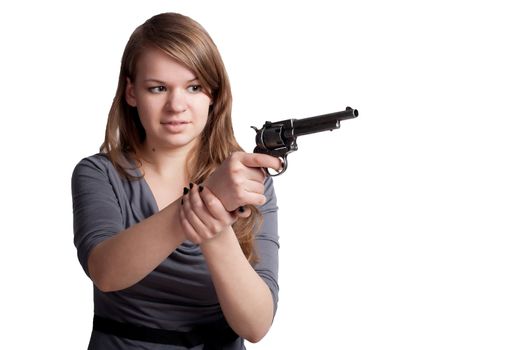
(278, 139)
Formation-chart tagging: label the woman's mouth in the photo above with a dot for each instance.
(174, 125)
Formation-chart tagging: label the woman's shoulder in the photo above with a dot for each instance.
(99, 167)
(97, 158)
(95, 162)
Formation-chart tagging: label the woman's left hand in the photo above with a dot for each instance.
(203, 216)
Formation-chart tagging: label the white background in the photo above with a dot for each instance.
(404, 229)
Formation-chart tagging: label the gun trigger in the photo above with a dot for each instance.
(284, 165)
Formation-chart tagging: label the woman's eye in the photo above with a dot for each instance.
(157, 89)
(195, 88)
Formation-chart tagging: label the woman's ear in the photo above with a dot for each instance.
(130, 93)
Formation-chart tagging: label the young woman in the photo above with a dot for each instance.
(173, 223)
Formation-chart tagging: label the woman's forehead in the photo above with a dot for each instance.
(156, 64)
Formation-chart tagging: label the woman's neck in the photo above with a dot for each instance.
(165, 163)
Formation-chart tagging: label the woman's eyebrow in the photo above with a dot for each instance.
(163, 82)
(156, 81)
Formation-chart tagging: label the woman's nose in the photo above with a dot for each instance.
(176, 101)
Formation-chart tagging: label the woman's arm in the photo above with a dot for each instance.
(126, 258)
(245, 298)
(114, 256)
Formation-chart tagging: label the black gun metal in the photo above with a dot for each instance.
(279, 139)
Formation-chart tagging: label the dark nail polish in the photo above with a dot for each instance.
(186, 190)
(191, 185)
(241, 209)
(200, 188)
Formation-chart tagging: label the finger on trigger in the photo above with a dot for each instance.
(259, 160)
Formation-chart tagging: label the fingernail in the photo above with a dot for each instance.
(241, 209)
(191, 185)
(186, 190)
(200, 188)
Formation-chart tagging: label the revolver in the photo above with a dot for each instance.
(278, 139)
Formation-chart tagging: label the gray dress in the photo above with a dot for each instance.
(179, 293)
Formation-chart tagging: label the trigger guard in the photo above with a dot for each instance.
(284, 163)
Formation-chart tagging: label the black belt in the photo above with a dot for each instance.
(212, 336)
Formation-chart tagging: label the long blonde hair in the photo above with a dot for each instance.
(187, 42)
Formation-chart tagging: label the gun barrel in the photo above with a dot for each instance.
(322, 122)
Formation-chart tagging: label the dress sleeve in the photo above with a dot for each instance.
(267, 243)
(96, 211)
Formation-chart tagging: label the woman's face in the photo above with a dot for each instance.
(171, 103)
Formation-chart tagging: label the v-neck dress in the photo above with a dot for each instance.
(179, 293)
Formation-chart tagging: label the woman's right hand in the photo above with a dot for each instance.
(239, 180)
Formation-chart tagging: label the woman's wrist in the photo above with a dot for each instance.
(202, 215)
(221, 241)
